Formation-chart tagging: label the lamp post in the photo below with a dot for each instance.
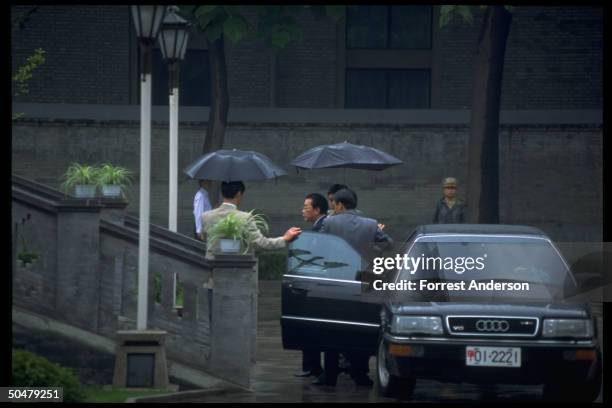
(147, 20)
(173, 39)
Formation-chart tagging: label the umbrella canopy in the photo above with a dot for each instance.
(347, 155)
(233, 165)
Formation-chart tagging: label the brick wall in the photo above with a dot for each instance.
(87, 53)
(248, 67)
(551, 176)
(553, 60)
(306, 69)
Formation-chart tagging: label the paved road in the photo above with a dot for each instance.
(274, 380)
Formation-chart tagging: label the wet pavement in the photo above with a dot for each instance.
(273, 379)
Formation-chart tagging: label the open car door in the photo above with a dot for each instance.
(324, 305)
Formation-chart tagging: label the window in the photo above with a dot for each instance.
(387, 89)
(194, 79)
(388, 58)
(389, 27)
(322, 255)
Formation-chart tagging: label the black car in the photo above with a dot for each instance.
(510, 322)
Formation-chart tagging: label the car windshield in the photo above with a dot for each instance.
(480, 260)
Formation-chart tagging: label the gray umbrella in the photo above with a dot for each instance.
(346, 155)
(233, 165)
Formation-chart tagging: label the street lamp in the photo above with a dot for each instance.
(173, 43)
(147, 20)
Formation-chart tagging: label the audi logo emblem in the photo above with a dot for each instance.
(492, 325)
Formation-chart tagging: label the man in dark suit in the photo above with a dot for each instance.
(314, 211)
(367, 237)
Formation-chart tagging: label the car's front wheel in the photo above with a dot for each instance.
(390, 385)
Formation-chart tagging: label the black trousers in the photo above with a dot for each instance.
(311, 360)
(358, 363)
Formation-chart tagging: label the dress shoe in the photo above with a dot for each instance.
(363, 379)
(324, 379)
(308, 373)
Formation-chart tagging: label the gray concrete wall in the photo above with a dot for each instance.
(551, 175)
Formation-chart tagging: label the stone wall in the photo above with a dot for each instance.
(86, 276)
(551, 175)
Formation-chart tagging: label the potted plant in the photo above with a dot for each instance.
(27, 257)
(113, 180)
(83, 178)
(232, 232)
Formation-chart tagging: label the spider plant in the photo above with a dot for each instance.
(237, 228)
(110, 175)
(80, 175)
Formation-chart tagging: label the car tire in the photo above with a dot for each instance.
(389, 385)
(586, 391)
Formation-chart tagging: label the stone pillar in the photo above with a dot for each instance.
(233, 322)
(148, 346)
(78, 260)
(114, 210)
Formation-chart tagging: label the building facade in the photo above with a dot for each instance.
(386, 76)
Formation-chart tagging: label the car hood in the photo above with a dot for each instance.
(487, 309)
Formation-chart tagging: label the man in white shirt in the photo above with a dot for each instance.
(201, 204)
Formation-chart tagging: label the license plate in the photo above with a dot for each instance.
(493, 356)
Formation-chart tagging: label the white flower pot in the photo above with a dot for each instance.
(111, 190)
(85, 190)
(229, 246)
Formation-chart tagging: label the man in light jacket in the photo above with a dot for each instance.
(232, 193)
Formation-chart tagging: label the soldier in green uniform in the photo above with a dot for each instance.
(449, 209)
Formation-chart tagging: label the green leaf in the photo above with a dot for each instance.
(280, 37)
(318, 11)
(235, 27)
(214, 31)
(187, 11)
(203, 10)
(466, 13)
(446, 15)
(510, 9)
(205, 19)
(296, 10)
(337, 12)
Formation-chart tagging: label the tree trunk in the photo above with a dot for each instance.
(483, 152)
(219, 106)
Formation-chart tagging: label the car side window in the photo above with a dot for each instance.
(320, 255)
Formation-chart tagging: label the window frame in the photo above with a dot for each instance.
(387, 85)
(348, 58)
(389, 18)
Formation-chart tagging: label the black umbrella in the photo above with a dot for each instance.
(346, 155)
(233, 165)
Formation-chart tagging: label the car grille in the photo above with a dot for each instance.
(492, 326)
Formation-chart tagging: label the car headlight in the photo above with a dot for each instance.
(416, 325)
(567, 328)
